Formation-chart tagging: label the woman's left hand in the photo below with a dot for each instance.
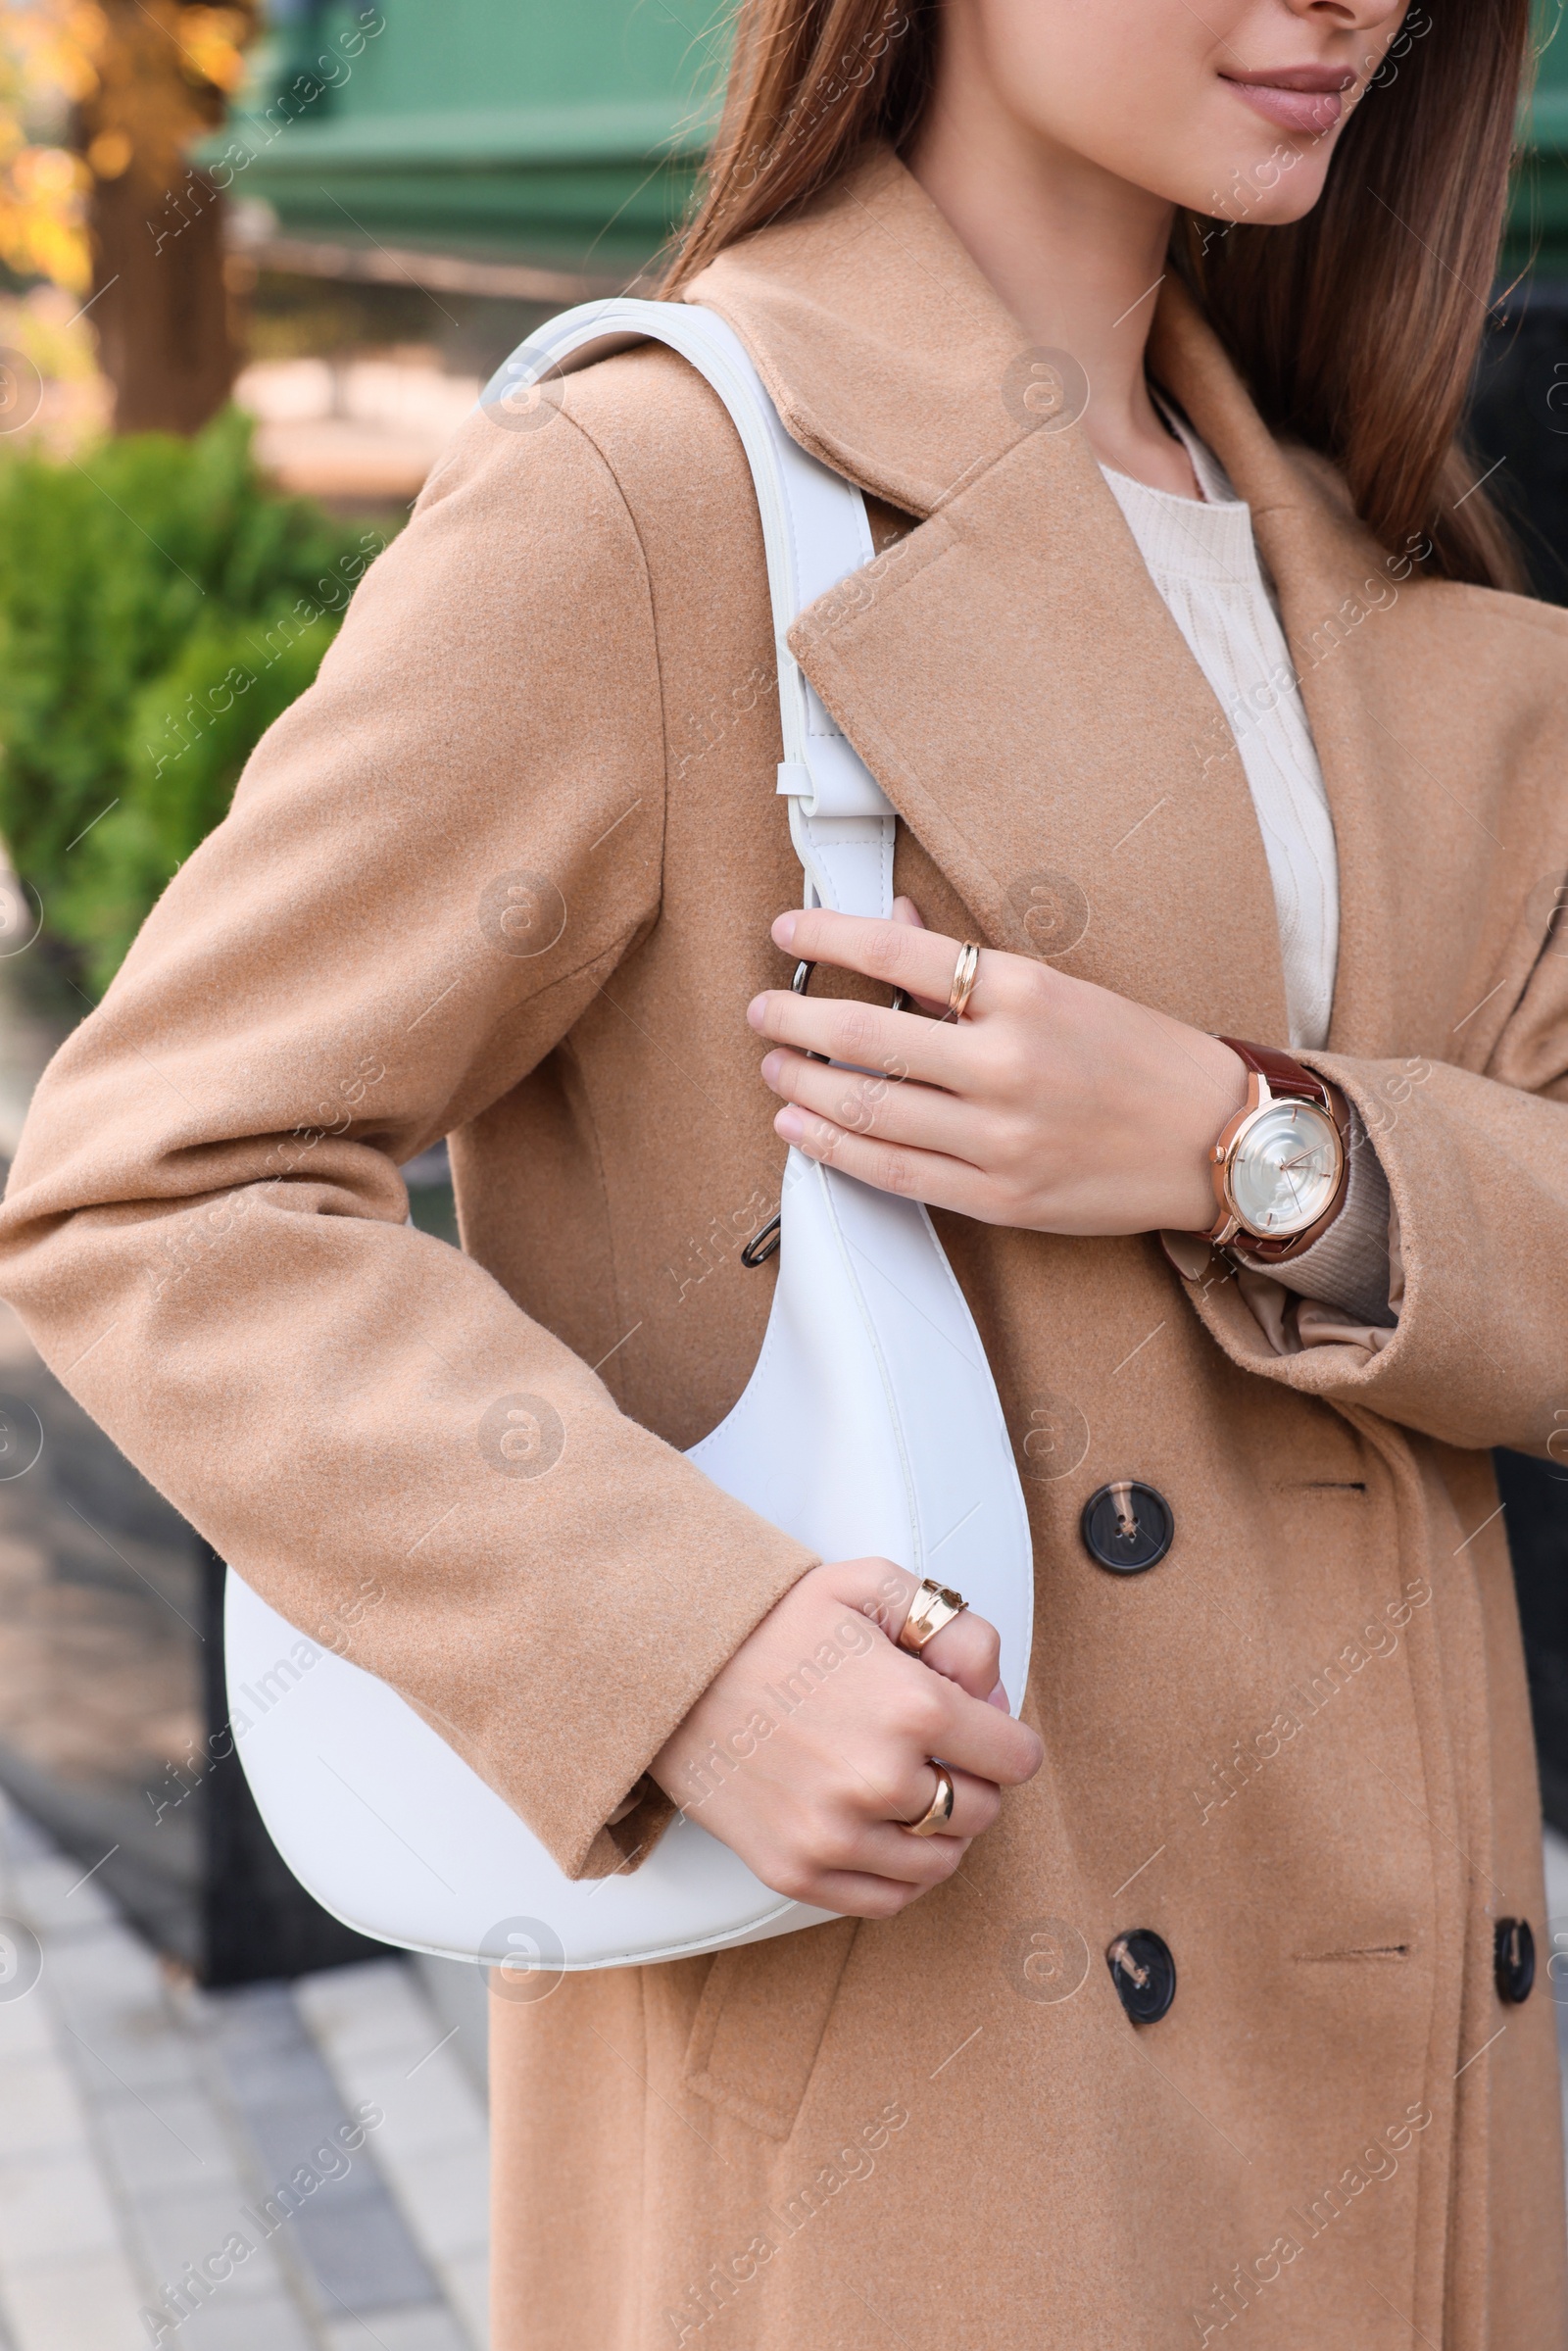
(1053, 1105)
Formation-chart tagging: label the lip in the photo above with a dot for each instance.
(1298, 98)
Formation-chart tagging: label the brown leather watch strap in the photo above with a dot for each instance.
(1285, 1075)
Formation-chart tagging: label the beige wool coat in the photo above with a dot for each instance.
(505, 874)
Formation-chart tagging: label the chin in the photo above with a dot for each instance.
(1264, 190)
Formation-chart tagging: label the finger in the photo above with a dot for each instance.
(971, 1735)
(904, 909)
(906, 1797)
(968, 1652)
(854, 1893)
(897, 1045)
(930, 1176)
(890, 1848)
(975, 1805)
(887, 1850)
(881, 1842)
(897, 1110)
(901, 954)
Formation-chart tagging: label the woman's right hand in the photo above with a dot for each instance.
(810, 1747)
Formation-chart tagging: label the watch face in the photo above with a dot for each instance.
(1285, 1169)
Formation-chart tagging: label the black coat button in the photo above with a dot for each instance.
(1144, 1972)
(1513, 1960)
(1127, 1527)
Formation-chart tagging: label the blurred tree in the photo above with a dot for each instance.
(99, 102)
(163, 69)
(46, 68)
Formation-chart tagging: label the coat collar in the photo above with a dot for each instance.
(880, 342)
(1010, 675)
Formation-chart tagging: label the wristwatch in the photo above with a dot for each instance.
(1282, 1163)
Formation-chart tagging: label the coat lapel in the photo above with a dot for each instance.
(1016, 684)
(1008, 671)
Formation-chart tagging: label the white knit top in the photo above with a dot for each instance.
(1204, 562)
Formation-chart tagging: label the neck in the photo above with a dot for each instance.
(1074, 252)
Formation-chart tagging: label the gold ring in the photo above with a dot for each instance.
(934, 1818)
(932, 1607)
(963, 978)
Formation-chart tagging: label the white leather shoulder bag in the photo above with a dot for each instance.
(870, 1426)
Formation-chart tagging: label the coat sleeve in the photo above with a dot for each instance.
(1477, 1166)
(432, 862)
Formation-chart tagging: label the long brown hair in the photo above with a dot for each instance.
(1356, 327)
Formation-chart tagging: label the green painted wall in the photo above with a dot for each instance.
(557, 130)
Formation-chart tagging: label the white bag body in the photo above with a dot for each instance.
(870, 1426)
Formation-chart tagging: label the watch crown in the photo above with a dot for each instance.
(1217, 1154)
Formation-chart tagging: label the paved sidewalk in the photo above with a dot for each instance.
(280, 2167)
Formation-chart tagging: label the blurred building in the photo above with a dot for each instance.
(558, 141)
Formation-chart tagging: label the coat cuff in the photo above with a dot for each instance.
(631, 1832)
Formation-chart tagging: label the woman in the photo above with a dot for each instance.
(1193, 662)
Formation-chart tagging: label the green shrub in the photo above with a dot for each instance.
(190, 732)
(159, 607)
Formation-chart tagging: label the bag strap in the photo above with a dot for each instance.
(814, 531)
